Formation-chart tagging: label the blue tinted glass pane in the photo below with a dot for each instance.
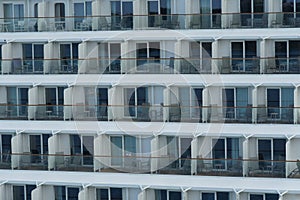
(75, 144)
(115, 8)
(279, 149)
(38, 51)
(280, 49)
(116, 193)
(288, 6)
(233, 148)
(245, 6)
(198, 94)
(237, 49)
(73, 193)
(29, 189)
(241, 96)
(18, 193)
(88, 11)
(258, 6)
(175, 195)
(102, 194)
(8, 11)
(219, 149)
(116, 150)
(256, 197)
(27, 51)
(165, 7)
(264, 153)
(35, 144)
(228, 97)
(272, 197)
(206, 50)
(294, 48)
(102, 96)
(208, 196)
(160, 194)
(287, 97)
(23, 96)
(75, 50)
(78, 9)
(11, 95)
(250, 49)
(152, 7)
(273, 97)
(264, 148)
(60, 192)
(204, 6)
(222, 195)
(18, 11)
(130, 144)
(45, 143)
(216, 6)
(65, 51)
(127, 8)
(6, 148)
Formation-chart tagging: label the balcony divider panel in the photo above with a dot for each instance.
(7, 56)
(154, 153)
(32, 100)
(16, 145)
(6, 191)
(246, 156)
(43, 192)
(194, 154)
(102, 148)
(68, 101)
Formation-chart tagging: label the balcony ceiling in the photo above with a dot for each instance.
(148, 35)
(199, 80)
(210, 183)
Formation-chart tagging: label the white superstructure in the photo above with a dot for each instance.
(149, 99)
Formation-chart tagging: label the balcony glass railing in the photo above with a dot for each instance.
(36, 66)
(145, 164)
(138, 22)
(152, 113)
(170, 65)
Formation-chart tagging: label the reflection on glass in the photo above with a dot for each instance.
(130, 102)
(152, 10)
(273, 103)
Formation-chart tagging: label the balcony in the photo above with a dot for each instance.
(282, 65)
(144, 22)
(159, 165)
(170, 65)
(154, 113)
(46, 66)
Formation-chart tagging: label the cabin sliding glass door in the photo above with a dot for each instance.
(223, 149)
(17, 101)
(54, 101)
(82, 10)
(252, 12)
(147, 54)
(210, 11)
(69, 57)
(121, 14)
(270, 150)
(123, 146)
(244, 56)
(13, 15)
(280, 103)
(33, 58)
(152, 12)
